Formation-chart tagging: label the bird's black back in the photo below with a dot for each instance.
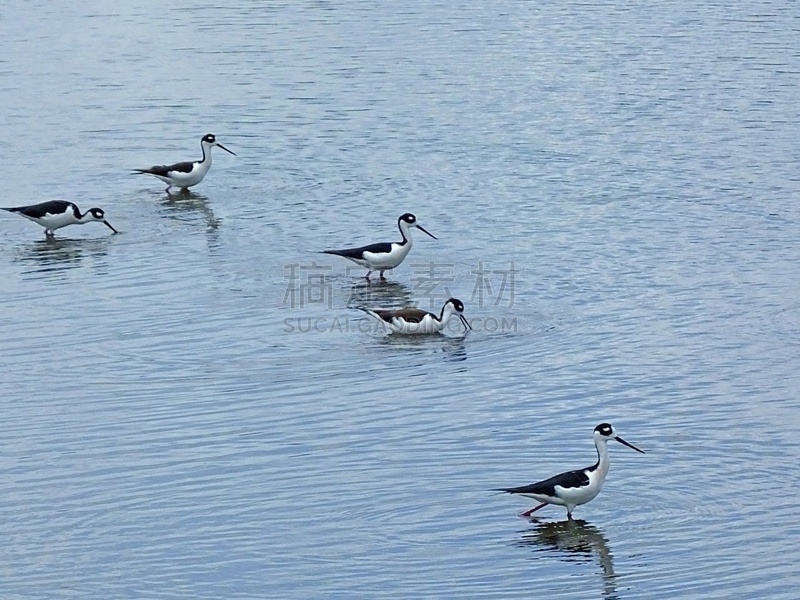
(163, 170)
(37, 211)
(380, 248)
(409, 315)
(570, 479)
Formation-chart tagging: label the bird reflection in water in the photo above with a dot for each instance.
(453, 349)
(60, 254)
(575, 541)
(185, 203)
(381, 293)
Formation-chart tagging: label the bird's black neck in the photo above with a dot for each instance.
(406, 239)
(440, 318)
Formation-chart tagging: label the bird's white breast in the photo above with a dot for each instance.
(387, 260)
(56, 221)
(427, 325)
(583, 494)
(193, 177)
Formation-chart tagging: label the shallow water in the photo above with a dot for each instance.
(196, 408)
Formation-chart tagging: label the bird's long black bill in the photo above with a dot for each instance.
(631, 446)
(467, 326)
(110, 227)
(226, 150)
(425, 231)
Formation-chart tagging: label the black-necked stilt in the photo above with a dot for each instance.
(386, 255)
(186, 174)
(573, 488)
(418, 321)
(56, 214)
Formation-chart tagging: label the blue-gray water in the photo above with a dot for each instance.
(195, 408)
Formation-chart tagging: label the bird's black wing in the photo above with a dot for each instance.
(570, 479)
(380, 248)
(164, 170)
(37, 211)
(409, 315)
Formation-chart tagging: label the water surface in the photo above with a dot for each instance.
(196, 408)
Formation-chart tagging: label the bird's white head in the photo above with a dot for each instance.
(454, 306)
(210, 139)
(605, 432)
(97, 214)
(407, 221)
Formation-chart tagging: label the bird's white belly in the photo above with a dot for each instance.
(427, 325)
(387, 260)
(572, 496)
(189, 179)
(580, 495)
(58, 221)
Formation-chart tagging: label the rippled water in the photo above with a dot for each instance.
(196, 408)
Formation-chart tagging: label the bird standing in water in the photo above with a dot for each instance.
(573, 488)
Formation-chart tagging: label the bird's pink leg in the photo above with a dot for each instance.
(528, 513)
